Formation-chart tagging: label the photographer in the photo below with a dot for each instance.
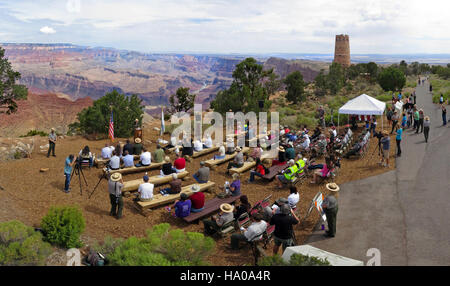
(283, 234)
(68, 171)
(115, 185)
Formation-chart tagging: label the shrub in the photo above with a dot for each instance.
(63, 226)
(384, 97)
(296, 259)
(309, 121)
(20, 245)
(34, 133)
(163, 247)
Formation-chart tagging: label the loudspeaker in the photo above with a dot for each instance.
(261, 103)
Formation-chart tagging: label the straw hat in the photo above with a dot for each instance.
(235, 176)
(53, 129)
(238, 149)
(281, 148)
(195, 188)
(116, 177)
(230, 140)
(427, 118)
(137, 140)
(226, 208)
(332, 187)
(281, 201)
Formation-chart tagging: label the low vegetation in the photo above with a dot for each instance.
(162, 246)
(63, 226)
(34, 133)
(21, 245)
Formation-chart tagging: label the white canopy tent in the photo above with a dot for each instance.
(363, 105)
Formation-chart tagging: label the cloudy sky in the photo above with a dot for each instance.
(232, 26)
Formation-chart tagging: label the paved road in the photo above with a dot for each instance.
(404, 213)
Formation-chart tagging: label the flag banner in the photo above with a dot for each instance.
(111, 128)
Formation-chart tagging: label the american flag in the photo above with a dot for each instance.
(111, 127)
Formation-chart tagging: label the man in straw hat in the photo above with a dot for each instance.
(197, 198)
(426, 128)
(137, 148)
(115, 186)
(225, 216)
(330, 207)
(51, 143)
(283, 233)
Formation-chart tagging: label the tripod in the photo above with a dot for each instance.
(104, 176)
(77, 170)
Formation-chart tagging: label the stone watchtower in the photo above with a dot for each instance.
(342, 50)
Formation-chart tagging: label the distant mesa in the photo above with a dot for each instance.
(342, 50)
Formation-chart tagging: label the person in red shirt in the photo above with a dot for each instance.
(179, 164)
(259, 171)
(197, 199)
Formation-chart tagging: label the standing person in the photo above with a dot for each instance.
(68, 171)
(330, 207)
(420, 122)
(444, 115)
(389, 114)
(441, 99)
(51, 143)
(404, 121)
(426, 128)
(398, 139)
(321, 113)
(373, 125)
(283, 233)
(395, 118)
(416, 119)
(431, 88)
(115, 185)
(385, 141)
(414, 96)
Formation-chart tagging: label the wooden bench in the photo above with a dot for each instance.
(247, 166)
(210, 207)
(159, 200)
(256, 138)
(274, 170)
(133, 185)
(213, 163)
(135, 169)
(204, 152)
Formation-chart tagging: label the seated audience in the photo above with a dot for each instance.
(281, 157)
(145, 190)
(197, 199)
(114, 162)
(238, 160)
(208, 143)
(179, 163)
(106, 152)
(183, 206)
(322, 172)
(202, 175)
(259, 171)
(128, 147)
(175, 186)
(225, 216)
(158, 154)
(254, 232)
(287, 175)
(128, 160)
(290, 152)
(221, 155)
(235, 186)
(198, 146)
(85, 154)
(243, 207)
(145, 158)
(166, 168)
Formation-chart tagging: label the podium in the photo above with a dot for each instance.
(137, 134)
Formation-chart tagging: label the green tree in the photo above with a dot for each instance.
(63, 226)
(295, 87)
(21, 245)
(10, 92)
(182, 100)
(335, 78)
(392, 79)
(95, 119)
(246, 90)
(372, 69)
(273, 83)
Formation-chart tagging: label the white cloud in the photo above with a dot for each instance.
(246, 25)
(47, 30)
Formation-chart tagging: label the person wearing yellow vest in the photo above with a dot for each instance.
(288, 175)
(301, 163)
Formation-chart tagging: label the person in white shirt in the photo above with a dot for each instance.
(128, 160)
(106, 152)
(198, 146)
(114, 162)
(306, 142)
(208, 142)
(146, 158)
(253, 233)
(145, 190)
(293, 198)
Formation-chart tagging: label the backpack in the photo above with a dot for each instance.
(95, 259)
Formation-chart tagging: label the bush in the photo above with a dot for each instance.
(296, 259)
(63, 226)
(309, 121)
(163, 247)
(34, 133)
(384, 97)
(20, 245)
